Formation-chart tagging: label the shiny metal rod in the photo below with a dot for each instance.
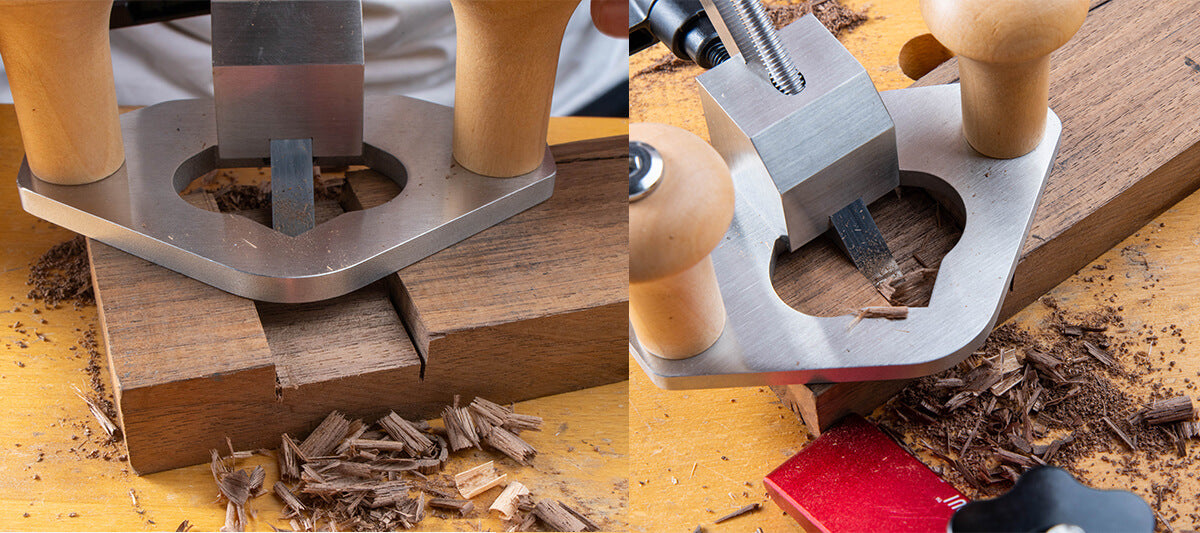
(749, 27)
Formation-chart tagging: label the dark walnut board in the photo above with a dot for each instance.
(1126, 88)
(533, 306)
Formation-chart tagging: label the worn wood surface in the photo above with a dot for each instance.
(48, 438)
(696, 451)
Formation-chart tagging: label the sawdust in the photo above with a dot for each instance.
(832, 13)
(95, 372)
(62, 274)
(1064, 414)
(231, 198)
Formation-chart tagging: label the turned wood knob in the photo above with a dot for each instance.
(503, 81)
(674, 303)
(59, 67)
(1003, 49)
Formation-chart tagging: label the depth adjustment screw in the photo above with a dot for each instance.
(759, 43)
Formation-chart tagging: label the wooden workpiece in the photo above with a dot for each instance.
(50, 445)
(695, 451)
(507, 55)
(675, 304)
(59, 68)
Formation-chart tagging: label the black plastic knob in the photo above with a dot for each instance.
(1046, 497)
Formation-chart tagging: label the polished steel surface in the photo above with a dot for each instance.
(286, 32)
(862, 242)
(138, 208)
(288, 69)
(292, 206)
(645, 169)
(766, 342)
(814, 152)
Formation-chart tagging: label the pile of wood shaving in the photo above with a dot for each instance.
(832, 13)
(913, 289)
(62, 274)
(1054, 395)
(350, 475)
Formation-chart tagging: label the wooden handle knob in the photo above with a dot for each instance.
(59, 67)
(1004, 49)
(674, 302)
(504, 79)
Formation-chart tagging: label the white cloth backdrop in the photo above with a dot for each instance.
(409, 49)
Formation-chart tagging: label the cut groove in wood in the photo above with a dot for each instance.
(819, 280)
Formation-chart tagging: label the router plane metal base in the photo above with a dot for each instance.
(767, 342)
(138, 208)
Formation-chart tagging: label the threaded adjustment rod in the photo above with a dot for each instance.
(758, 42)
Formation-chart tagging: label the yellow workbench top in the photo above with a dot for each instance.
(56, 474)
(698, 455)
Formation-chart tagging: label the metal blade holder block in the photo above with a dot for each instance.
(288, 82)
(797, 159)
(819, 149)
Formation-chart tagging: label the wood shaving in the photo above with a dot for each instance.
(477, 480)
(348, 475)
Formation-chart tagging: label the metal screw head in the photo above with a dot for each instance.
(645, 169)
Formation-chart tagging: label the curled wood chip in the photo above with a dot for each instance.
(1004, 385)
(1015, 458)
(1189, 429)
(475, 481)
(463, 507)
(510, 444)
(235, 487)
(890, 313)
(235, 519)
(460, 428)
(416, 442)
(289, 499)
(498, 415)
(289, 465)
(506, 502)
(326, 437)
(1100, 354)
(561, 518)
(1177, 409)
(389, 493)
